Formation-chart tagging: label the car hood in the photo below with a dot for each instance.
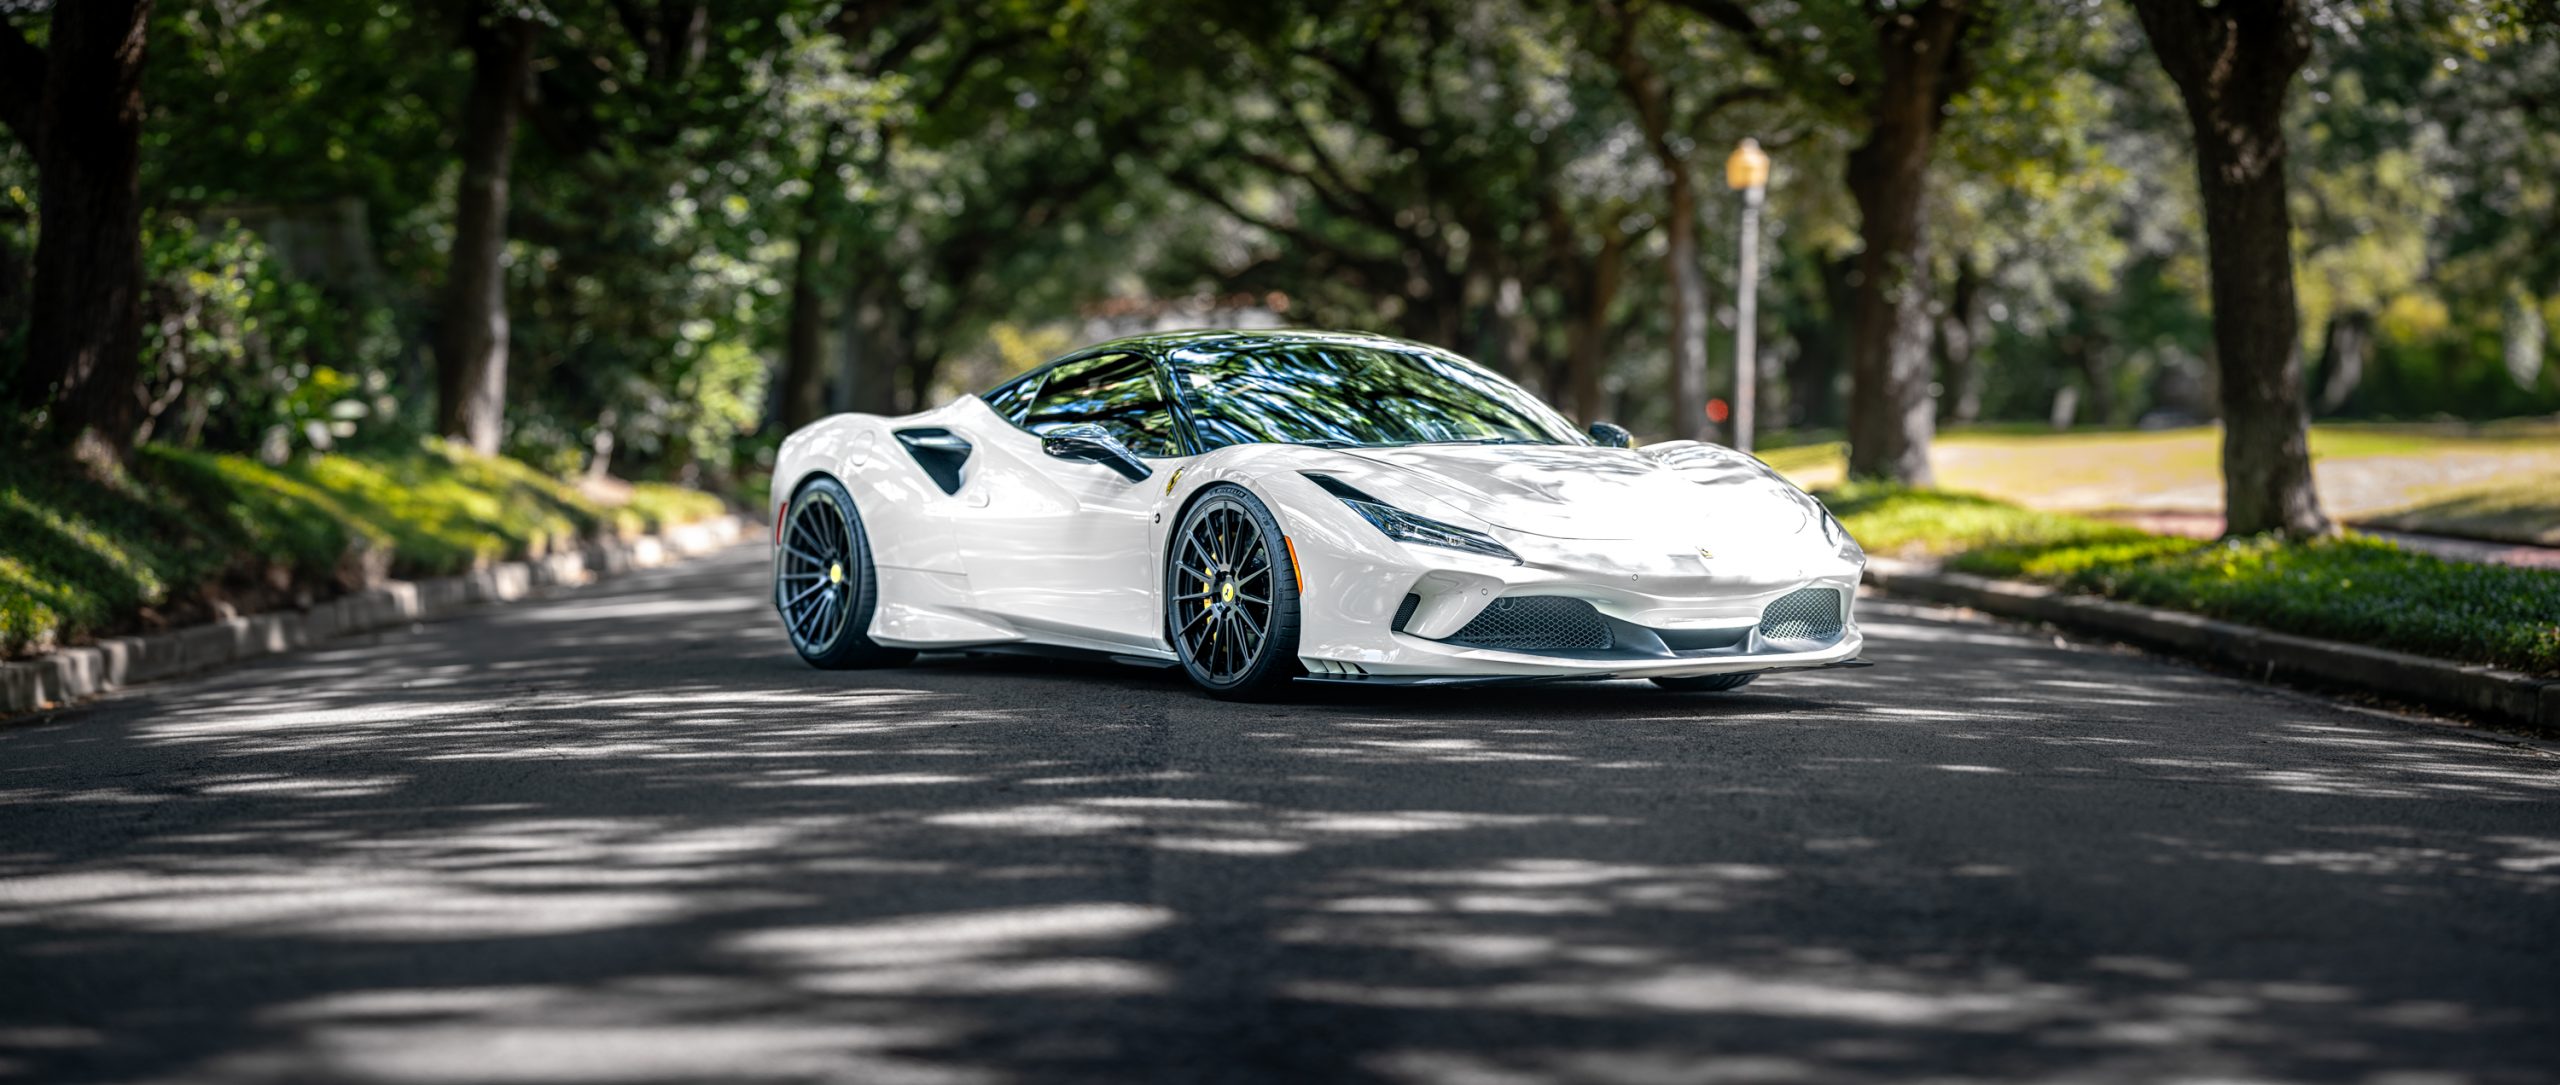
(1682, 491)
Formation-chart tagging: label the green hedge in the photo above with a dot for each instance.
(80, 557)
(2351, 587)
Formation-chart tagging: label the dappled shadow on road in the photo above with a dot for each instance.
(625, 836)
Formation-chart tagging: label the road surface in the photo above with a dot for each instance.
(625, 836)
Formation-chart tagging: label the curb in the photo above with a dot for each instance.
(71, 674)
(2507, 695)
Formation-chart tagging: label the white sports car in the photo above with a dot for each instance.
(1261, 507)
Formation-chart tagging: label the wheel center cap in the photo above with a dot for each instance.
(835, 573)
(1227, 592)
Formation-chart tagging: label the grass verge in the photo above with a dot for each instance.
(2518, 507)
(186, 533)
(2350, 588)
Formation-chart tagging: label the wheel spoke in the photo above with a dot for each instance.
(807, 616)
(803, 531)
(806, 592)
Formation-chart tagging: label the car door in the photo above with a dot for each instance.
(1063, 546)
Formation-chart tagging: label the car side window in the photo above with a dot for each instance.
(1115, 391)
(1014, 396)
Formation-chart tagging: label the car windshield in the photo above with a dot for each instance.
(1353, 395)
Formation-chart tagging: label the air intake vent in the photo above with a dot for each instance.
(940, 452)
(1404, 612)
(1806, 614)
(1536, 623)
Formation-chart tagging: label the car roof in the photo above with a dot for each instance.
(1231, 338)
(1159, 346)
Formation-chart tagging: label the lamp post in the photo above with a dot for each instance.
(1748, 173)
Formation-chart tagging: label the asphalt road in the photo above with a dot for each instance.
(625, 836)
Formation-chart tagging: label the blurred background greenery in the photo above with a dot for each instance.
(643, 239)
(726, 218)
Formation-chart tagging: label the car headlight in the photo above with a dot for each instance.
(1402, 526)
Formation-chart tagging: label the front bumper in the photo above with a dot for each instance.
(1656, 594)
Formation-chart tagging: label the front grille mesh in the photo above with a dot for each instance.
(1803, 614)
(1536, 623)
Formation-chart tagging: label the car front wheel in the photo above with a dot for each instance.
(1231, 597)
(823, 582)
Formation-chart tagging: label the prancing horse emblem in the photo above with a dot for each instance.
(1705, 554)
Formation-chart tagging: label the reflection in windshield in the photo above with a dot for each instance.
(1347, 394)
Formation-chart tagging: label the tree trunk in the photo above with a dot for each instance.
(1814, 323)
(872, 348)
(1646, 90)
(1960, 346)
(2233, 64)
(1891, 418)
(804, 355)
(1587, 344)
(2343, 353)
(1688, 308)
(84, 340)
(471, 352)
(2083, 344)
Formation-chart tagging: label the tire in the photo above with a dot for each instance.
(1235, 645)
(823, 582)
(1706, 683)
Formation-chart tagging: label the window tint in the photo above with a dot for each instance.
(1115, 391)
(1355, 394)
(1014, 396)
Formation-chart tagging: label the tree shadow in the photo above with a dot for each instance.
(624, 835)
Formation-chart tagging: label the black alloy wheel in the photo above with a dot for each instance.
(823, 581)
(1231, 597)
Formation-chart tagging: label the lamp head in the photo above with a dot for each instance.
(1748, 169)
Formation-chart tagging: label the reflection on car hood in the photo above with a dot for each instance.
(1684, 492)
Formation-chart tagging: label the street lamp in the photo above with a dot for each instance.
(1747, 172)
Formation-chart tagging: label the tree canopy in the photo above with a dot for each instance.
(648, 236)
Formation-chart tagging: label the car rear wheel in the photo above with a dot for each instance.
(823, 582)
(1706, 683)
(1231, 597)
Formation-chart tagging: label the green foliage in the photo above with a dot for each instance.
(239, 356)
(2352, 588)
(185, 529)
(968, 177)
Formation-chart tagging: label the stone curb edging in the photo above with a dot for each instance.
(2507, 695)
(71, 674)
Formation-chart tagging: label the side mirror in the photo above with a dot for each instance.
(1094, 444)
(1611, 435)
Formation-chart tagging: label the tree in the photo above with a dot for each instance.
(471, 350)
(77, 103)
(1892, 69)
(2233, 63)
(1648, 93)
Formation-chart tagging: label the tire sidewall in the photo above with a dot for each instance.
(1277, 663)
